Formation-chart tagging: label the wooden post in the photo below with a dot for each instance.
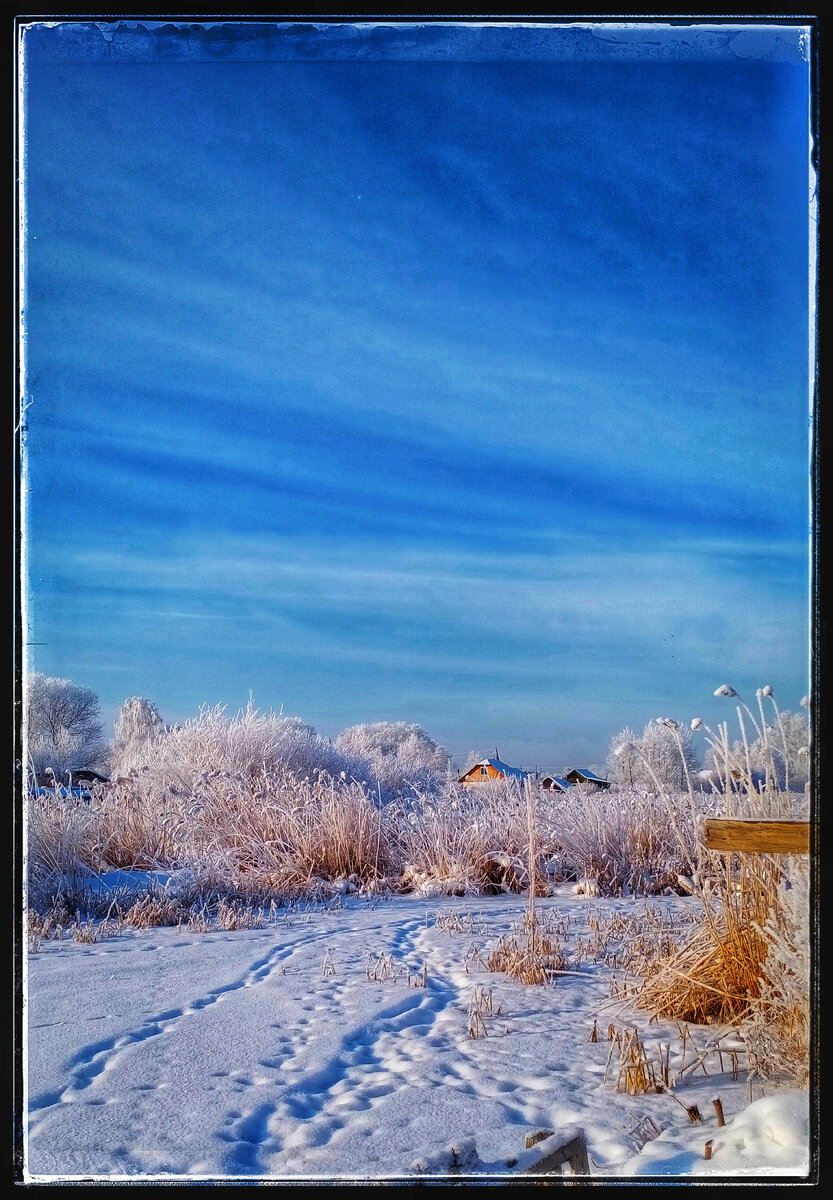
(755, 836)
(532, 1139)
(573, 1152)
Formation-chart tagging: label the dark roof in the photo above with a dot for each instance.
(561, 784)
(585, 774)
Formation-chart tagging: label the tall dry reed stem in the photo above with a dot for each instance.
(748, 960)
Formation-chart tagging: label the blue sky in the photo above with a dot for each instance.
(388, 385)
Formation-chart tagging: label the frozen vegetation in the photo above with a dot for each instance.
(317, 959)
(368, 1039)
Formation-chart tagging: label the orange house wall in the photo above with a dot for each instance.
(474, 776)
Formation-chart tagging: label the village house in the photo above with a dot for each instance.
(555, 783)
(490, 770)
(582, 775)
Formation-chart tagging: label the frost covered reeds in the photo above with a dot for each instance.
(269, 833)
(457, 841)
(261, 830)
(464, 841)
(61, 835)
(748, 961)
(621, 838)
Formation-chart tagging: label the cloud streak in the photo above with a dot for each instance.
(422, 388)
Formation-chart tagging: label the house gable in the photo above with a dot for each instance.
(582, 775)
(489, 771)
(554, 783)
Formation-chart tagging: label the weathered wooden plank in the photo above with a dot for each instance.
(532, 1139)
(756, 836)
(573, 1152)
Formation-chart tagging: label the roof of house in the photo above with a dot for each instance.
(76, 773)
(562, 783)
(585, 774)
(499, 765)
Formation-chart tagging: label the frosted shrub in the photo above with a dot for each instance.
(248, 744)
(403, 759)
(138, 728)
(659, 758)
(623, 838)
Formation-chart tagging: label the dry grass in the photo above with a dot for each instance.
(717, 975)
(154, 910)
(748, 960)
(481, 1005)
(531, 954)
(638, 1072)
(243, 806)
(777, 1030)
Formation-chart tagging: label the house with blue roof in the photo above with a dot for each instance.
(491, 770)
(582, 775)
(555, 783)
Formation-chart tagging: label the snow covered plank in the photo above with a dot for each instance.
(756, 836)
(573, 1152)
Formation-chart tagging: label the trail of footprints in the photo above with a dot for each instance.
(96, 1058)
(369, 1066)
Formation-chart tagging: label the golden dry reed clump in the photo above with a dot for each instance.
(748, 960)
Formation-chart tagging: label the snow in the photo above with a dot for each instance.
(504, 768)
(589, 775)
(768, 1138)
(164, 1054)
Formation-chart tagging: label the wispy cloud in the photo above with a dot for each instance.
(420, 388)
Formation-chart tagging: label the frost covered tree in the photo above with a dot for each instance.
(789, 738)
(138, 726)
(623, 764)
(660, 755)
(62, 726)
(402, 757)
(782, 746)
(250, 744)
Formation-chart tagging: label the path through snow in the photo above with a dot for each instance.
(164, 1053)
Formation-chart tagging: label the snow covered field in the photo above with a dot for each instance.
(273, 1052)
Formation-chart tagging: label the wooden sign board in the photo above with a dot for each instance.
(754, 836)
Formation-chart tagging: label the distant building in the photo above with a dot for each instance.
(48, 778)
(490, 770)
(554, 783)
(582, 775)
(73, 783)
